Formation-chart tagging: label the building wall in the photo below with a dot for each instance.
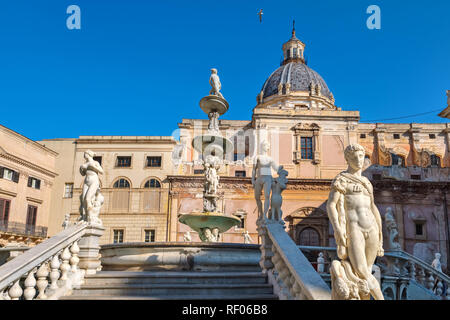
(131, 209)
(29, 159)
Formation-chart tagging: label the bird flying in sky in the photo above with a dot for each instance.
(260, 13)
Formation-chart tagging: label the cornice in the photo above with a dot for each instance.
(25, 163)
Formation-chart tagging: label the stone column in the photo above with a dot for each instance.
(89, 249)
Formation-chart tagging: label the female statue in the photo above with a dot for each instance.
(90, 169)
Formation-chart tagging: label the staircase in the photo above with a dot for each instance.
(175, 285)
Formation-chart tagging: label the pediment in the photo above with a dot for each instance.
(307, 212)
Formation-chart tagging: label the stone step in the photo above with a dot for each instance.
(188, 290)
(121, 277)
(179, 297)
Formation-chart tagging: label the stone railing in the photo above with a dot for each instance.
(51, 269)
(398, 269)
(288, 270)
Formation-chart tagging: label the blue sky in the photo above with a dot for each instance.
(139, 67)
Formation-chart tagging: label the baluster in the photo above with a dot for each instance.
(54, 274)
(439, 288)
(74, 249)
(16, 291)
(412, 271)
(65, 267)
(30, 284)
(430, 281)
(42, 282)
(421, 277)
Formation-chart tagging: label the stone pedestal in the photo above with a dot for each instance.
(89, 249)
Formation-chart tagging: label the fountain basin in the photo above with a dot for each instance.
(198, 221)
(208, 141)
(214, 103)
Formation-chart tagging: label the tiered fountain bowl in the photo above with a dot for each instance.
(214, 144)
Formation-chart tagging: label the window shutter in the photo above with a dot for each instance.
(30, 181)
(1, 172)
(38, 184)
(15, 177)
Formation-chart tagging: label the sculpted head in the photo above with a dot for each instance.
(265, 146)
(354, 155)
(89, 154)
(437, 255)
(214, 71)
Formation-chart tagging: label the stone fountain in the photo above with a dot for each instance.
(213, 147)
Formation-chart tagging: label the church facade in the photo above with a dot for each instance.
(150, 181)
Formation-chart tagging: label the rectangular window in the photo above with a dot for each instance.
(415, 177)
(419, 229)
(239, 173)
(306, 148)
(4, 213)
(149, 236)
(31, 219)
(432, 136)
(9, 174)
(123, 162)
(154, 162)
(362, 135)
(98, 159)
(199, 171)
(295, 52)
(396, 136)
(68, 190)
(118, 235)
(34, 183)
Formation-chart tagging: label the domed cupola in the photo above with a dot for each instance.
(295, 78)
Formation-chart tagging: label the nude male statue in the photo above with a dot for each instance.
(214, 81)
(356, 222)
(90, 169)
(262, 179)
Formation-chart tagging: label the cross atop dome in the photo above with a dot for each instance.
(293, 49)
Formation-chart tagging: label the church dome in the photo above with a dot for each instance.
(294, 75)
(298, 75)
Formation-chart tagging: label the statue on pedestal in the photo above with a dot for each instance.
(357, 230)
(247, 237)
(214, 81)
(90, 198)
(276, 200)
(262, 179)
(436, 264)
(212, 164)
(391, 226)
(66, 221)
(320, 263)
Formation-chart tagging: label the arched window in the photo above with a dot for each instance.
(397, 160)
(435, 160)
(152, 183)
(309, 237)
(121, 183)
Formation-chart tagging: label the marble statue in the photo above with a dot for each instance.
(206, 235)
(320, 263)
(187, 237)
(93, 214)
(391, 227)
(215, 234)
(262, 179)
(66, 221)
(213, 124)
(214, 81)
(436, 264)
(247, 237)
(276, 200)
(212, 164)
(357, 230)
(90, 197)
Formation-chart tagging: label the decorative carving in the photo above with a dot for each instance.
(391, 226)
